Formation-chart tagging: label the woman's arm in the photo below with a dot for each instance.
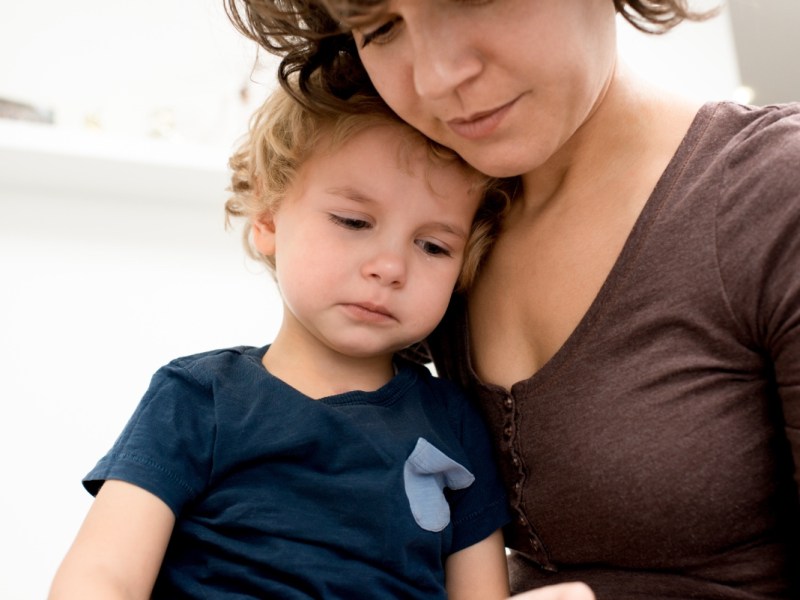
(119, 548)
(479, 572)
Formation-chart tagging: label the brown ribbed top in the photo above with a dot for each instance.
(652, 456)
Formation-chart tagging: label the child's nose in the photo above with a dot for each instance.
(387, 268)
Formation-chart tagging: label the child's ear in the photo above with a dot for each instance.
(264, 234)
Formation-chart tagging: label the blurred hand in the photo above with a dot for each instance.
(562, 591)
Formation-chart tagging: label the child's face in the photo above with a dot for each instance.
(367, 249)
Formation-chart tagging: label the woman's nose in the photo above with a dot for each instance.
(386, 268)
(443, 60)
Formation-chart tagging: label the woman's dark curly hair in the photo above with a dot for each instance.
(312, 36)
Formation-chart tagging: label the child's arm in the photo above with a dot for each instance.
(479, 572)
(119, 548)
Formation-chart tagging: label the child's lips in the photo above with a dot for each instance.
(370, 312)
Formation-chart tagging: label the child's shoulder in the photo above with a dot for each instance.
(449, 392)
(212, 365)
(218, 355)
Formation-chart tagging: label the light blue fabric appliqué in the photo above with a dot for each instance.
(426, 473)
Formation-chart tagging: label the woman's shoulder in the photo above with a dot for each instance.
(757, 215)
(745, 156)
(762, 155)
(749, 129)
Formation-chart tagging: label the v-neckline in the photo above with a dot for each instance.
(624, 262)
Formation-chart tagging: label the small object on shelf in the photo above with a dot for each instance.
(11, 109)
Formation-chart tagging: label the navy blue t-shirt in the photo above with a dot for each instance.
(277, 495)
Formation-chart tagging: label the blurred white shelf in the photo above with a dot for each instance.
(40, 158)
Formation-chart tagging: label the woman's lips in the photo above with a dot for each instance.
(480, 124)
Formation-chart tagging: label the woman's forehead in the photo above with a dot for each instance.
(354, 12)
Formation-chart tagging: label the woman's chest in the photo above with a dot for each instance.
(650, 434)
(535, 288)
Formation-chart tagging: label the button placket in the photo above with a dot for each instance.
(509, 433)
(535, 547)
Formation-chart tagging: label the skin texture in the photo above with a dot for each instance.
(119, 548)
(439, 70)
(564, 591)
(368, 243)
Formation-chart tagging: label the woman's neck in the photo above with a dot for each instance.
(631, 124)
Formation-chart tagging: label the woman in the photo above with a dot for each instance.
(634, 336)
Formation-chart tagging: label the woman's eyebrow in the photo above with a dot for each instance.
(362, 17)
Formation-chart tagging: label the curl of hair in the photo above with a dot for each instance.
(317, 51)
(659, 16)
(265, 164)
(316, 46)
(486, 227)
(281, 136)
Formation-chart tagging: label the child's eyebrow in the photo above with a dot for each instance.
(351, 193)
(448, 228)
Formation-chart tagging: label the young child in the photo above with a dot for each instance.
(322, 465)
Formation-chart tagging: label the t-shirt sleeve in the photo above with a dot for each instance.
(482, 508)
(758, 244)
(166, 447)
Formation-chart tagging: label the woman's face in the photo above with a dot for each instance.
(505, 83)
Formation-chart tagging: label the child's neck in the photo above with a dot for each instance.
(321, 372)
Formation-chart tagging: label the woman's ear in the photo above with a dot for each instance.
(264, 234)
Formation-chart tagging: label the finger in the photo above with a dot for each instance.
(562, 591)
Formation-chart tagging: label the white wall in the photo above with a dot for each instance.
(113, 258)
(697, 60)
(98, 289)
(172, 66)
(113, 254)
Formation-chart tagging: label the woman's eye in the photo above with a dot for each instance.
(381, 34)
(349, 222)
(432, 248)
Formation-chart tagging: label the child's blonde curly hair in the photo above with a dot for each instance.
(282, 136)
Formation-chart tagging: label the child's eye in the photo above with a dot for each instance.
(381, 34)
(432, 248)
(350, 222)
